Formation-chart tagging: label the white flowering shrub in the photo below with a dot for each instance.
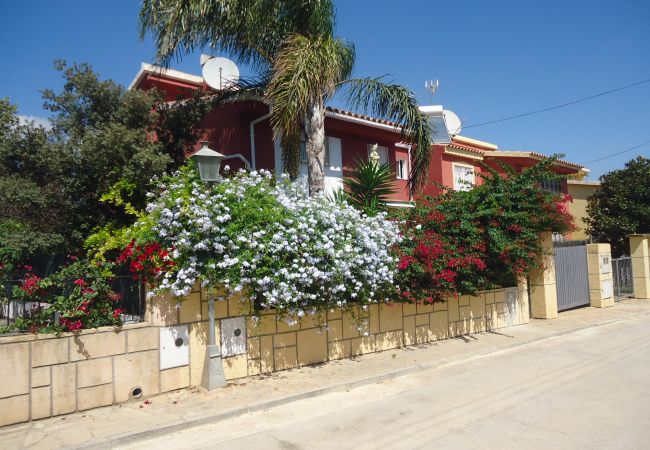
(250, 233)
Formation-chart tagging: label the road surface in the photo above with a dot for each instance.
(590, 389)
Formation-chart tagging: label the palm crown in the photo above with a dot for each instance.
(300, 65)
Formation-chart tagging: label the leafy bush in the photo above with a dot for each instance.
(465, 241)
(268, 239)
(77, 296)
(621, 206)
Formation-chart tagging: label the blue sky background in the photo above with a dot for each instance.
(493, 59)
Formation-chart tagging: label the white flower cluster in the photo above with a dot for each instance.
(285, 249)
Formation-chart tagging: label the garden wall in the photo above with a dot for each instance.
(45, 375)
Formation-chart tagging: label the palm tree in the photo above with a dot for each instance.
(300, 66)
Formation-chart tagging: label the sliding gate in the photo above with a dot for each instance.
(571, 275)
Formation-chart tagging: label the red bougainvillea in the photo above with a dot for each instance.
(462, 242)
(146, 261)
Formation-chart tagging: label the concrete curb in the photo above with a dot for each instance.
(172, 427)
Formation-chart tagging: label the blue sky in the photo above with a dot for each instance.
(493, 59)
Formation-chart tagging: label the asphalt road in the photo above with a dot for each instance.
(590, 389)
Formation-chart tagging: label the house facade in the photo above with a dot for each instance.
(244, 128)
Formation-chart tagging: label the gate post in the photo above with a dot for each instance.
(599, 266)
(543, 292)
(640, 264)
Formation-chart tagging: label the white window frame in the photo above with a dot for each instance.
(404, 175)
(462, 186)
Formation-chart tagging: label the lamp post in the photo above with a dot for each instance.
(209, 162)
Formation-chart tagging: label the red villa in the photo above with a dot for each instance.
(244, 128)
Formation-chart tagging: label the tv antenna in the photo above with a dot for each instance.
(431, 86)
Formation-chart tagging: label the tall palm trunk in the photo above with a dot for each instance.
(314, 128)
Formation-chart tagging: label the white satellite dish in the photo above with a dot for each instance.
(219, 73)
(453, 122)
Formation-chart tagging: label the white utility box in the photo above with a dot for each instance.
(174, 346)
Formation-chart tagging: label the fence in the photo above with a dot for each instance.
(623, 279)
(131, 292)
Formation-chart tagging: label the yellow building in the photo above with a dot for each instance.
(580, 191)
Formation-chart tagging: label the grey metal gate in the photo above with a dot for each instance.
(571, 276)
(622, 268)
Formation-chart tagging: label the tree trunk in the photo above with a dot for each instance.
(314, 127)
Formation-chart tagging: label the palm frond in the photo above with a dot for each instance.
(397, 104)
(250, 30)
(369, 185)
(307, 70)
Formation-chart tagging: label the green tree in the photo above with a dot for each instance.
(300, 65)
(52, 181)
(621, 206)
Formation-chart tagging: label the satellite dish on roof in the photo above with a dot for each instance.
(452, 121)
(219, 73)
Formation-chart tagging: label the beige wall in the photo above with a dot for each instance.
(580, 191)
(45, 375)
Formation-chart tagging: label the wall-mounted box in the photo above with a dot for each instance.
(233, 336)
(174, 346)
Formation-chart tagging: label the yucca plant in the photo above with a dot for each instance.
(368, 186)
(300, 65)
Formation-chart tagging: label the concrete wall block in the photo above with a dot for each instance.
(50, 351)
(409, 330)
(339, 349)
(543, 301)
(388, 340)
(284, 340)
(220, 309)
(422, 319)
(424, 334)
(198, 342)
(64, 381)
(266, 324)
(14, 369)
(175, 378)
(163, 312)
(41, 403)
(253, 348)
(409, 309)
(463, 300)
(190, 310)
(142, 339)
(362, 345)
(334, 314)
(350, 327)
(97, 345)
(452, 308)
(284, 327)
(235, 367)
(238, 306)
(335, 330)
(373, 317)
(14, 410)
(464, 312)
(424, 308)
(94, 372)
(136, 370)
(95, 396)
(440, 306)
(267, 356)
(312, 346)
(390, 317)
(477, 305)
(285, 358)
(312, 321)
(41, 376)
(439, 325)
(254, 367)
